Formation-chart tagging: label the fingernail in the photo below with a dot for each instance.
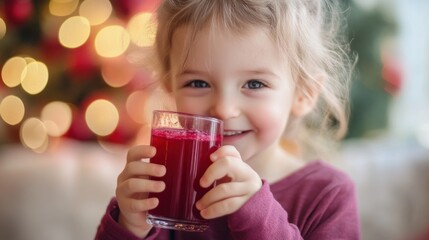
(213, 157)
(198, 205)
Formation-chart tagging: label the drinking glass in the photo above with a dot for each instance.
(183, 144)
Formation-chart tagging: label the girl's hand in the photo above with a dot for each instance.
(238, 180)
(132, 189)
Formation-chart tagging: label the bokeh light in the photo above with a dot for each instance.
(3, 28)
(142, 29)
(74, 32)
(36, 77)
(102, 117)
(57, 117)
(112, 41)
(12, 110)
(62, 8)
(96, 11)
(13, 71)
(117, 72)
(33, 134)
(135, 106)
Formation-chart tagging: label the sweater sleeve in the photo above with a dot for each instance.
(328, 213)
(110, 229)
(262, 217)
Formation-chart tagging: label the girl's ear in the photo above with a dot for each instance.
(306, 99)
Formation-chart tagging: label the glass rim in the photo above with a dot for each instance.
(199, 117)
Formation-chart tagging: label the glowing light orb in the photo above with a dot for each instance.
(142, 29)
(112, 41)
(74, 32)
(13, 70)
(33, 133)
(102, 117)
(12, 110)
(62, 8)
(96, 11)
(57, 117)
(36, 77)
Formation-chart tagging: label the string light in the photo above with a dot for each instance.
(74, 32)
(112, 41)
(12, 110)
(96, 11)
(102, 117)
(57, 117)
(142, 29)
(2, 28)
(62, 8)
(34, 134)
(13, 71)
(117, 72)
(35, 77)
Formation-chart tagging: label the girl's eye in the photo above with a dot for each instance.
(197, 84)
(254, 84)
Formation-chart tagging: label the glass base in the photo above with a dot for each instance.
(175, 224)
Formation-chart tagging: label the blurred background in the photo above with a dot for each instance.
(73, 93)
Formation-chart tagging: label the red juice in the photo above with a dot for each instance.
(186, 155)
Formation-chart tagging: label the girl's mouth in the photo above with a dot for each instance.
(231, 133)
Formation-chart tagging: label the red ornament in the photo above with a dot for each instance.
(18, 12)
(81, 63)
(127, 8)
(79, 130)
(392, 75)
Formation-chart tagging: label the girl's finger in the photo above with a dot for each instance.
(139, 152)
(224, 167)
(139, 169)
(131, 205)
(222, 208)
(226, 150)
(222, 192)
(137, 185)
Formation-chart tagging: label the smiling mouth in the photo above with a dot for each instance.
(229, 133)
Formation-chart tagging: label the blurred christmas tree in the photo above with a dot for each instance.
(67, 71)
(377, 75)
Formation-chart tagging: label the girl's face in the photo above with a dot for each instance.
(238, 78)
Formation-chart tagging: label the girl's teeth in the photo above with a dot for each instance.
(231, 133)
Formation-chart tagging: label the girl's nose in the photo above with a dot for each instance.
(225, 107)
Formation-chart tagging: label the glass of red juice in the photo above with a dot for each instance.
(183, 144)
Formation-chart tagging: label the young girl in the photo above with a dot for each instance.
(274, 72)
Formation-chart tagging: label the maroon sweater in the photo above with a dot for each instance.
(316, 202)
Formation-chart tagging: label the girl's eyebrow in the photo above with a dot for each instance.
(190, 71)
(261, 71)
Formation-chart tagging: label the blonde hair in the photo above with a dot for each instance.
(307, 34)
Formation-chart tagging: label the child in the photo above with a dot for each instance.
(274, 72)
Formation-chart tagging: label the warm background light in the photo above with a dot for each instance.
(12, 110)
(112, 41)
(33, 133)
(96, 11)
(36, 77)
(12, 71)
(102, 117)
(117, 72)
(62, 8)
(74, 32)
(135, 106)
(142, 29)
(2, 28)
(57, 117)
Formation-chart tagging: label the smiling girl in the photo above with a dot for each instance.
(274, 72)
